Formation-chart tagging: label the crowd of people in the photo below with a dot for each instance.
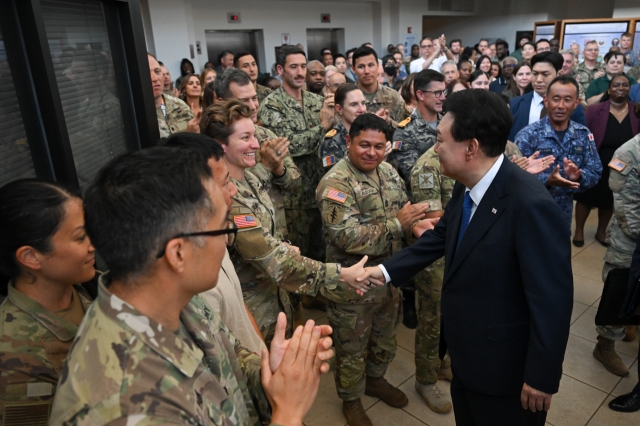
(433, 187)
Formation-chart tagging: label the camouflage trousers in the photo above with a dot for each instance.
(305, 232)
(429, 292)
(364, 337)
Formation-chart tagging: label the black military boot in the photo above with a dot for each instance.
(409, 315)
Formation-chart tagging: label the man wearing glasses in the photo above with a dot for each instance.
(589, 69)
(433, 53)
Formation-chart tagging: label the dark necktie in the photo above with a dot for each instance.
(466, 216)
(543, 112)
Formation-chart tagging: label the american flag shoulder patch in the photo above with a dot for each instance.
(245, 221)
(396, 145)
(335, 195)
(617, 165)
(329, 160)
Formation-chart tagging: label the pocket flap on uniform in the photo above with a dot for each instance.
(342, 319)
(505, 332)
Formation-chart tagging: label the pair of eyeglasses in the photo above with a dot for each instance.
(230, 231)
(509, 66)
(436, 93)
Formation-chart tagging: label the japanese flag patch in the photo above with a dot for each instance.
(591, 137)
(245, 221)
(329, 160)
(617, 165)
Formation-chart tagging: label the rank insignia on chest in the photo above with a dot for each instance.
(329, 160)
(336, 195)
(245, 221)
(404, 122)
(396, 145)
(617, 165)
(331, 133)
(591, 138)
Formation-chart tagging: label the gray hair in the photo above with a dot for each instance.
(449, 62)
(568, 52)
(508, 57)
(221, 85)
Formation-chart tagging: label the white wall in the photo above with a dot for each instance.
(277, 17)
(626, 9)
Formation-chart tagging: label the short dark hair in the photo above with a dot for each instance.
(554, 58)
(387, 58)
(476, 74)
(31, 212)
(605, 97)
(324, 50)
(521, 36)
(482, 115)
(424, 78)
(239, 55)
(483, 39)
(223, 82)
(564, 79)
(626, 34)
(455, 40)
(368, 121)
(207, 94)
(541, 41)
(284, 51)
(361, 52)
(501, 42)
(480, 59)
(140, 200)
(613, 53)
(205, 145)
(353, 49)
(339, 55)
(223, 54)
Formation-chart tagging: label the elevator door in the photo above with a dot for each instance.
(318, 39)
(235, 41)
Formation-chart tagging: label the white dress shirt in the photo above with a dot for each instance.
(476, 194)
(436, 64)
(536, 108)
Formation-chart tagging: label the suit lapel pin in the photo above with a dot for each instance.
(494, 211)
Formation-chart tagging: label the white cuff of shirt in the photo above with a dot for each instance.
(387, 278)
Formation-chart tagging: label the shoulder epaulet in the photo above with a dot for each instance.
(404, 122)
(331, 133)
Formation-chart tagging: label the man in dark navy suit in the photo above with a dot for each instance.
(508, 287)
(529, 108)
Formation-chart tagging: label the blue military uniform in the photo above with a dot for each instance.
(578, 146)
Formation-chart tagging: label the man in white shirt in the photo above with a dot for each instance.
(507, 293)
(433, 54)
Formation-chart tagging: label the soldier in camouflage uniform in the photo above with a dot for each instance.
(415, 135)
(262, 92)
(363, 214)
(576, 150)
(234, 83)
(304, 122)
(244, 61)
(634, 72)
(160, 354)
(379, 97)
(584, 74)
(622, 236)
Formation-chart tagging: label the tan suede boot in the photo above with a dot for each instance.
(380, 388)
(605, 352)
(631, 332)
(436, 400)
(354, 412)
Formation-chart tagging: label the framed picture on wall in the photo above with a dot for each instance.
(606, 32)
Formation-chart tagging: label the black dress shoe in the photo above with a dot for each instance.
(578, 243)
(602, 242)
(627, 403)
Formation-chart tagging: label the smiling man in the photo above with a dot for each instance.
(529, 108)
(246, 62)
(577, 164)
(365, 211)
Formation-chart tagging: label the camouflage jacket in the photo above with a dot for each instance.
(390, 99)
(334, 146)
(125, 368)
(262, 92)
(175, 116)
(281, 114)
(634, 72)
(624, 181)
(578, 146)
(584, 76)
(265, 265)
(359, 218)
(432, 187)
(277, 187)
(412, 138)
(34, 344)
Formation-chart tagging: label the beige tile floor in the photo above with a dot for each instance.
(585, 389)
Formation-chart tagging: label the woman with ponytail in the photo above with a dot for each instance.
(45, 254)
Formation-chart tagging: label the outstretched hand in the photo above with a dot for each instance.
(555, 179)
(539, 165)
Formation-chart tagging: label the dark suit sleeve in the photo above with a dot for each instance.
(426, 250)
(515, 105)
(544, 255)
(578, 115)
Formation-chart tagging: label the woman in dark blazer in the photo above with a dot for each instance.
(612, 123)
